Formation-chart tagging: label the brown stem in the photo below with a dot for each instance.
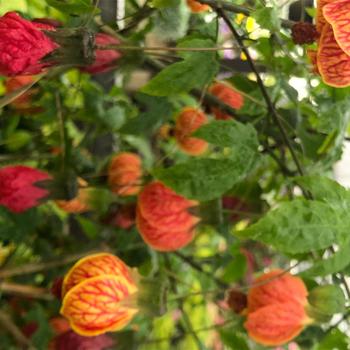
(227, 6)
(25, 291)
(42, 266)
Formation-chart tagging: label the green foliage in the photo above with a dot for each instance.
(300, 226)
(196, 70)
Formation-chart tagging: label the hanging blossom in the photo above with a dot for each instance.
(163, 219)
(332, 57)
(22, 45)
(277, 308)
(18, 190)
(188, 121)
(99, 295)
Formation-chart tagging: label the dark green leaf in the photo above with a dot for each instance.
(300, 226)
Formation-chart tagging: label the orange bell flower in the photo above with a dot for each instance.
(162, 218)
(99, 294)
(124, 174)
(189, 120)
(276, 311)
(229, 96)
(333, 53)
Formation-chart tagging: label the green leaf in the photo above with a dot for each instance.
(337, 262)
(326, 190)
(73, 6)
(202, 179)
(196, 70)
(236, 269)
(334, 340)
(267, 17)
(164, 3)
(158, 110)
(233, 340)
(300, 226)
(230, 133)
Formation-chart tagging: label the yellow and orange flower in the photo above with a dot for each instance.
(197, 7)
(80, 203)
(162, 218)
(332, 58)
(125, 173)
(99, 295)
(188, 121)
(276, 310)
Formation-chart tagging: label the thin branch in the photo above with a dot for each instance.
(7, 324)
(262, 87)
(42, 266)
(25, 291)
(228, 6)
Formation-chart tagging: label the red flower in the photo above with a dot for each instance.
(22, 46)
(105, 59)
(228, 95)
(18, 191)
(162, 218)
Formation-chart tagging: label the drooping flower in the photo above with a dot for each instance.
(22, 45)
(124, 174)
(98, 295)
(196, 6)
(80, 203)
(276, 311)
(332, 59)
(188, 121)
(276, 324)
(276, 286)
(18, 191)
(229, 96)
(163, 219)
(105, 60)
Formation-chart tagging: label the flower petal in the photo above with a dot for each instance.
(337, 14)
(92, 266)
(99, 305)
(320, 20)
(333, 63)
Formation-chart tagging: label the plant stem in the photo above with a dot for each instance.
(228, 6)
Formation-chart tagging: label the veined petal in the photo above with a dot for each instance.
(92, 266)
(337, 14)
(320, 20)
(99, 305)
(333, 63)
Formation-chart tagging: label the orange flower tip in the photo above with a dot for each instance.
(197, 7)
